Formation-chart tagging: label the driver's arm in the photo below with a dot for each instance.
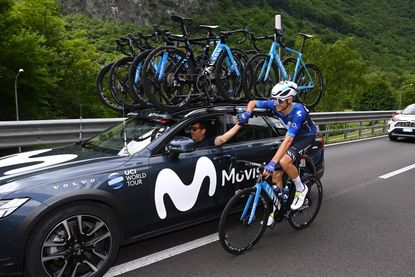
(219, 140)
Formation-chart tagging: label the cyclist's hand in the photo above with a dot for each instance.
(243, 118)
(269, 169)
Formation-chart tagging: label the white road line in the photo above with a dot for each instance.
(153, 258)
(396, 172)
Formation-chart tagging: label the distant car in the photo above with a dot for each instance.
(65, 211)
(402, 124)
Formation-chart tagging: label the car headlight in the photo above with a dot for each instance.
(9, 206)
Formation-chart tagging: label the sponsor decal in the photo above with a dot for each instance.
(299, 113)
(237, 177)
(130, 178)
(73, 184)
(115, 181)
(183, 196)
(134, 178)
(36, 162)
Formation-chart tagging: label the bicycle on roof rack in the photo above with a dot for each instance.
(110, 83)
(244, 219)
(178, 80)
(263, 71)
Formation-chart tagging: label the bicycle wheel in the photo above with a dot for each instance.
(168, 79)
(135, 77)
(103, 91)
(310, 85)
(256, 84)
(118, 82)
(228, 82)
(304, 216)
(235, 234)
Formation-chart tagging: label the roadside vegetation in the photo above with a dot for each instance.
(364, 62)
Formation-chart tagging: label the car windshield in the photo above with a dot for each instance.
(138, 134)
(409, 110)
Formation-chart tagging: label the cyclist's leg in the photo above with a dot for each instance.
(277, 179)
(298, 148)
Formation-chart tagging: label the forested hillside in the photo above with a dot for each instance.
(365, 48)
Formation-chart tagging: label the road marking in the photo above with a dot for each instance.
(153, 258)
(396, 172)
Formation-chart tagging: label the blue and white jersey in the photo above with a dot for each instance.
(298, 121)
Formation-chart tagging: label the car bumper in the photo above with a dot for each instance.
(401, 129)
(14, 232)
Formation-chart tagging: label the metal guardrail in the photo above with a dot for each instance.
(38, 132)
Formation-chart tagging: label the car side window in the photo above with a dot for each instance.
(256, 129)
(278, 126)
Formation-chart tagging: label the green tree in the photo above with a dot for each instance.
(342, 69)
(377, 95)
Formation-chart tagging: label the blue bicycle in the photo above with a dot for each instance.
(244, 219)
(180, 78)
(263, 71)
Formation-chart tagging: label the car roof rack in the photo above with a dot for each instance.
(195, 110)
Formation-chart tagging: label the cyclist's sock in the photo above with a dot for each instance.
(298, 184)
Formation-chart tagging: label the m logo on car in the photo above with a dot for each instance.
(183, 196)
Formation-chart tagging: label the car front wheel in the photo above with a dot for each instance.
(74, 240)
(393, 138)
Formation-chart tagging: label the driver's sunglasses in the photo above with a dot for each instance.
(194, 129)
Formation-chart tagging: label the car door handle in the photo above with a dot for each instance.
(221, 158)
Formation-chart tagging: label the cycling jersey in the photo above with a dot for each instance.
(297, 121)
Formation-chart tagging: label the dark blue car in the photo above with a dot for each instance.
(65, 211)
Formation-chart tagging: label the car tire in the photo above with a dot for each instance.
(73, 240)
(393, 138)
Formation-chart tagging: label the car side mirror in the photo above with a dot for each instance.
(398, 112)
(179, 145)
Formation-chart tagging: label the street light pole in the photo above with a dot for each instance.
(400, 97)
(15, 97)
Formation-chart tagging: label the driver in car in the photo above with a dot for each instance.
(201, 138)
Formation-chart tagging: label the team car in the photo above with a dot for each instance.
(65, 211)
(402, 124)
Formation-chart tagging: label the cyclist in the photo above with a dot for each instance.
(299, 137)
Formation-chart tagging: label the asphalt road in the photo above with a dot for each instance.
(365, 226)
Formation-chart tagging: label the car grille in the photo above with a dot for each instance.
(405, 124)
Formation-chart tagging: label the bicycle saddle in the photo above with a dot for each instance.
(306, 35)
(180, 19)
(209, 27)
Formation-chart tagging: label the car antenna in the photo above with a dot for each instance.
(125, 149)
(80, 123)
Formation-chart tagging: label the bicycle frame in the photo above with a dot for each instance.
(230, 61)
(275, 57)
(259, 187)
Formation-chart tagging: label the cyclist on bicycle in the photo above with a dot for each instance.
(299, 137)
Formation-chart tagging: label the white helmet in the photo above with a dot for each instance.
(284, 90)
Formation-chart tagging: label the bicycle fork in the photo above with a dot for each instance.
(259, 187)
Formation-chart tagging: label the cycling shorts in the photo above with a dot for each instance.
(299, 146)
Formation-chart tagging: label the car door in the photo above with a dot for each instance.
(189, 187)
(258, 141)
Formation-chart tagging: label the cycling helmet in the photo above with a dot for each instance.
(284, 90)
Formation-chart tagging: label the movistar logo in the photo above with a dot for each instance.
(115, 181)
(29, 161)
(183, 196)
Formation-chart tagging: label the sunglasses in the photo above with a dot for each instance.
(194, 129)
(278, 101)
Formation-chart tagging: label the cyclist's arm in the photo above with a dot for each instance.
(285, 145)
(267, 104)
(251, 105)
(219, 140)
